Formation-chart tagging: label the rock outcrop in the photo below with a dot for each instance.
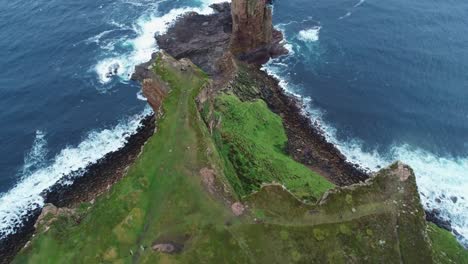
(203, 39)
(154, 89)
(253, 37)
(207, 45)
(50, 213)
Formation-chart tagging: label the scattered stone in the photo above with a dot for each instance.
(237, 208)
(49, 214)
(454, 199)
(165, 248)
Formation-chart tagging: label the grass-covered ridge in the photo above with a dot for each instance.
(446, 248)
(161, 199)
(252, 139)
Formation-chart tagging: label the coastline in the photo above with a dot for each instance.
(306, 142)
(97, 179)
(210, 39)
(324, 158)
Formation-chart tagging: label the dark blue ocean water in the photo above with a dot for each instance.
(385, 79)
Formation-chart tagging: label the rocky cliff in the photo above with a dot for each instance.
(234, 174)
(253, 37)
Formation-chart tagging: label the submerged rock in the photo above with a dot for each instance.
(112, 70)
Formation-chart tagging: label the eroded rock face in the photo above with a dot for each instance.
(253, 37)
(252, 25)
(49, 214)
(154, 89)
(203, 39)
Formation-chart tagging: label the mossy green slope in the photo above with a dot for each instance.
(446, 248)
(161, 198)
(252, 139)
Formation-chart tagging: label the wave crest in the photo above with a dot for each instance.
(442, 181)
(310, 35)
(36, 176)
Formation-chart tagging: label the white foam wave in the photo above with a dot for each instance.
(141, 96)
(146, 27)
(349, 13)
(37, 155)
(310, 35)
(345, 15)
(97, 38)
(359, 3)
(26, 194)
(442, 181)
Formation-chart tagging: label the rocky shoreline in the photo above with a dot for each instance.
(207, 43)
(97, 179)
(206, 40)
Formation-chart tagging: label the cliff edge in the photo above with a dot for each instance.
(253, 37)
(234, 174)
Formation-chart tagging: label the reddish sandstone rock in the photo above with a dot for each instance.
(237, 209)
(253, 37)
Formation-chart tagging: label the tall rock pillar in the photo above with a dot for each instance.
(253, 37)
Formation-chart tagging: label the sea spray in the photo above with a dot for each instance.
(442, 181)
(310, 35)
(144, 44)
(38, 175)
(25, 196)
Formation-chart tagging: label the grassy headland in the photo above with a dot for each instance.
(180, 190)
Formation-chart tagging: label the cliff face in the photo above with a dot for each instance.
(214, 183)
(252, 25)
(204, 39)
(253, 37)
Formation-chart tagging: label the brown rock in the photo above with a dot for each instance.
(203, 39)
(253, 38)
(49, 214)
(252, 25)
(237, 208)
(165, 248)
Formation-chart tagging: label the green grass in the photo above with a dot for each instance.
(163, 199)
(160, 198)
(446, 248)
(252, 139)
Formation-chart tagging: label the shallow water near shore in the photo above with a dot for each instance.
(380, 90)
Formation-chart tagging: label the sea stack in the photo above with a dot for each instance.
(253, 37)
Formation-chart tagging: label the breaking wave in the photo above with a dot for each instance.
(143, 45)
(442, 181)
(309, 35)
(37, 175)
